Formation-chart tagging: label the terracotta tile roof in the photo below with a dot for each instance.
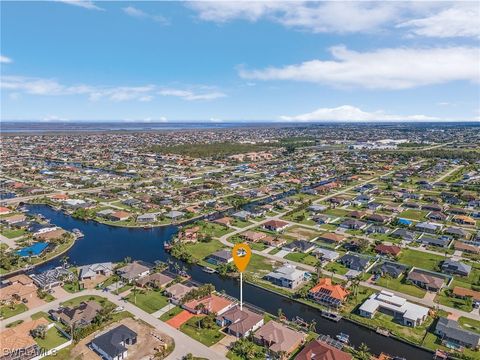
(459, 291)
(318, 350)
(335, 291)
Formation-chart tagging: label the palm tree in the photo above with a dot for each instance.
(312, 326)
(65, 260)
(127, 259)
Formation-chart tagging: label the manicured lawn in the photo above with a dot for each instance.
(240, 223)
(398, 285)
(337, 212)
(470, 324)
(123, 289)
(302, 258)
(420, 259)
(329, 227)
(337, 267)
(149, 301)
(467, 282)
(274, 251)
(413, 214)
(214, 230)
(71, 287)
(259, 266)
(301, 217)
(52, 339)
(39, 315)
(76, 301)
(13, 233)
(7, 311)
(433, 342)
(171, 313)
(207, 337)
(257, 246)
(452, 302)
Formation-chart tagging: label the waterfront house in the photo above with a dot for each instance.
(210, 304)
(177, 291)
(454, 267)
(78, 316)
(17, 288)
(328, 294)
(220, 257)
(280, 340)
(174, 214)
(450, 331)
(113, 345)
(147, 218)
(134, 271)
(319, 350)
(49, 279)
(120, 215)
(407, 313)
(287, 276)
(90, 272)
(239, 323)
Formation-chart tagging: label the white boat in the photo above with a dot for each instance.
(78, 233)
(344, 338)
(209, 270)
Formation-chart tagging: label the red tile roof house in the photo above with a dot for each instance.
(4, 210)
(328, 294)
(224, 221)
(240, 323)
(318, 350)
(279, 339)
(275, 225)
(331, 238)
(391, 250)
(211, 304)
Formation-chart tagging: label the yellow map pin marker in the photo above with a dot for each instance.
(241, 256)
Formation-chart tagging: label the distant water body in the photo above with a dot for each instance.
(90, 126)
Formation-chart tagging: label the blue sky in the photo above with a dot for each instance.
(226, 61)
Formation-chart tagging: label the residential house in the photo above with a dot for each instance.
(392, 269)
(428, 227)
(211, 304)
(176, 292)
(113, 345)
(404, 234)
(49, 279)
(354, 262)
(463, 293)
(253, 236)
(155, 280)
(78, 316)
(353, 225)
(409, 314)
(328, 294)
(467, 247)
(442, 241)
(325, 255)
(426, 280)
(319, 350)
(120, 215)
(300, 246)
(220, 257)
(465, 220)
(147, 218)
(457, 233)
(242, 215)
(134, 271)
(389, 250)
(331, 238)
(240, 323)
(454, 267)
(280, 340)
(90, 272)
(18, 288)
(451, 332)
(287, 276)
(275, 225)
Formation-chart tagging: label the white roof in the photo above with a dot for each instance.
(390, 301)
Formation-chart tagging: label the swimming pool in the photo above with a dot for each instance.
(33, 250)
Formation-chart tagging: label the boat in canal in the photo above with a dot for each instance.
(331, 315)
(344, 338)
(77, 233)
(209, 270)
(167, 246)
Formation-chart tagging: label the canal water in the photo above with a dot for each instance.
(109, 243)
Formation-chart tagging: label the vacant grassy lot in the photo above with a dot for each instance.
(418, 215)
(398, 285)
(337, 268)
(452, 302)
(420, 259)
(13, 233)
(171, 313)
(200, 250)
(9, 311)
(149, 300)
(302, 258)
(207, 337)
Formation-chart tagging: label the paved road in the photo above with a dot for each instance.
(183, 343)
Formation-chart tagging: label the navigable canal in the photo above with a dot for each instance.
(109, 243)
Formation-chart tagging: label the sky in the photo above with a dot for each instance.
(240, 61)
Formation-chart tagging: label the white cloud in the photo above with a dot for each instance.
(5, 60)
(395, 68)
(49, 118)
(352, 113)
(191, 95)
(215, 120)
(144, 93)
(140, 14)
(459, 20)
(427, 18)
(86, 4)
